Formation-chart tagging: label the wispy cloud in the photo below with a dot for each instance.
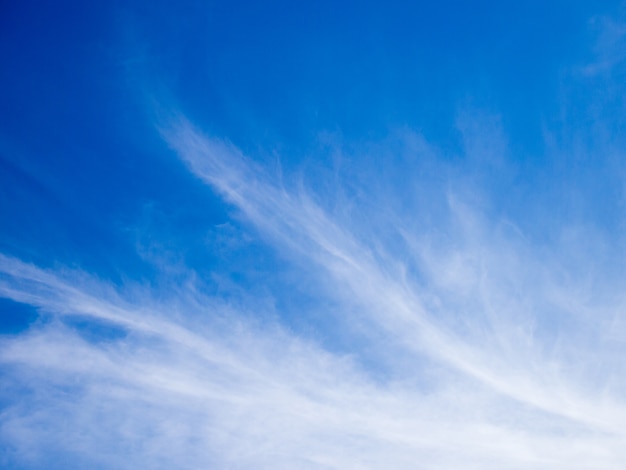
(222, 393)
(449, 298)
(609, 50)
(503, 358)
(487, 301)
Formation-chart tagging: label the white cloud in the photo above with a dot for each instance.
(496, 364)
(229, 395)
(491, 291)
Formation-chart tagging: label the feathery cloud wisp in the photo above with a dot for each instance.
(495, 361)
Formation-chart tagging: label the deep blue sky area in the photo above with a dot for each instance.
(83, 84)
(83, 169)
(76, 78)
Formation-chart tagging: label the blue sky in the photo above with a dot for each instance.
(328, 235)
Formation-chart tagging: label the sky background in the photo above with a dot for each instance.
(325, 235)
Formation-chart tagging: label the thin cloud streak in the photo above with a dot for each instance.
(515, 379)
(293, 220)
(243, 397)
